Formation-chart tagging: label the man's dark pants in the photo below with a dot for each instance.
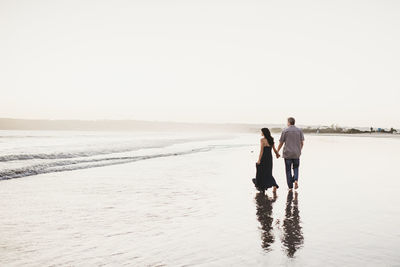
(289, 165)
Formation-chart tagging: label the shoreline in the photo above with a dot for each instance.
(202, 209)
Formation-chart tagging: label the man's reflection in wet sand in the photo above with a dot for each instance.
(292, 238)
(264, 214)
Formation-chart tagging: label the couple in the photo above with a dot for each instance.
(292, 139)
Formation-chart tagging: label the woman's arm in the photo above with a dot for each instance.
(261, 152)
(276, 151)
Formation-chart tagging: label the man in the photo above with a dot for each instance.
(293, 139)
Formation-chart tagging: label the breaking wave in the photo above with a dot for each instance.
(61, 164)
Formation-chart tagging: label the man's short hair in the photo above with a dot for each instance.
(291, 121)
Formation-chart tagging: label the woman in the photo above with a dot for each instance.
(264, 178)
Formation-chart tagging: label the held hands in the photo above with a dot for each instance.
(258, 162)
(277, 155)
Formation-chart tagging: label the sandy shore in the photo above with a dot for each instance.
(201, 210)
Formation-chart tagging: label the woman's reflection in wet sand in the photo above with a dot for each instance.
(264, 214)
(292, 238)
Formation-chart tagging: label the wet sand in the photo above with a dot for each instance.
(201, 209)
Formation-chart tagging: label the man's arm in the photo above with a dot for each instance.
(280, 146)
(302, 139)
(281, 141)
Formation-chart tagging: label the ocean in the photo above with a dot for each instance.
(186, 199)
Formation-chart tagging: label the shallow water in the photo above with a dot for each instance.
(26, 153)
(200, 209)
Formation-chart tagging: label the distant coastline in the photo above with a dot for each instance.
(126, 125)
(139, 125)
(334, 129)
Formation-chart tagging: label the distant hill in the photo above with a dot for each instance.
(128, 125)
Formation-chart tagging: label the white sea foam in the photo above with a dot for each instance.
(25, 154)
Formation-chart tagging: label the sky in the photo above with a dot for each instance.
(247, 61)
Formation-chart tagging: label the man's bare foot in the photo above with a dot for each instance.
(274, 190)
(296, 185)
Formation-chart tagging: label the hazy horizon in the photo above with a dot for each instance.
(202, 61)
(157, 125)
(281, 124)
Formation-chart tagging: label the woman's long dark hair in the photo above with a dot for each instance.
(267, 135)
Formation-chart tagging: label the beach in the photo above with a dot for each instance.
(196, 206)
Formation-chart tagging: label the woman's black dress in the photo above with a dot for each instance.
(264, 178)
